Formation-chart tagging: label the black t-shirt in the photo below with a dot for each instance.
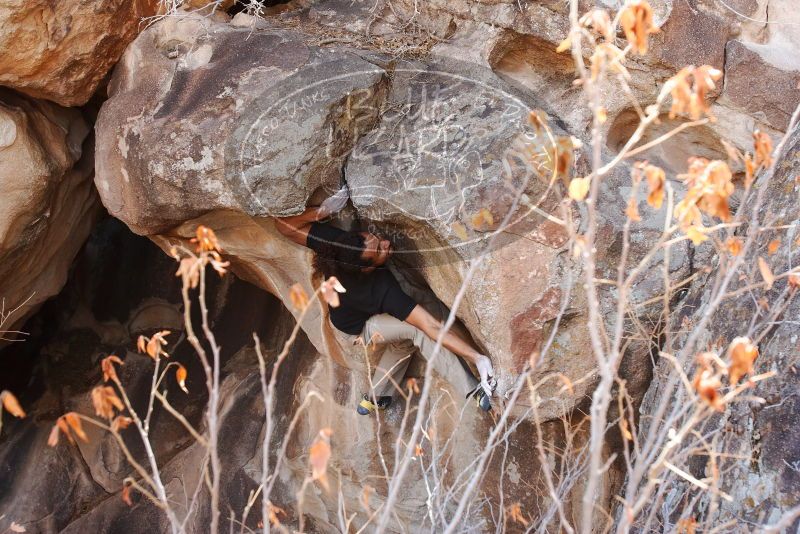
(367, 294)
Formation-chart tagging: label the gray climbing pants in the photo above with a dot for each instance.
(399, 339)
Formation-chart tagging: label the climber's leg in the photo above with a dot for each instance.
(390, 370)
(446, 364)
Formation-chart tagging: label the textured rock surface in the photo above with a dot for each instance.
(760, 437)
(762, 81)
(421, 197)
(228, 124)
(77, 489)
(48, 203)
(62, 50)
(201, 78)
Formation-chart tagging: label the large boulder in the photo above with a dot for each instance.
(227, 125)
(204, 84)
(48, 204)
(259, 137)
(77, 488)
(63, 50)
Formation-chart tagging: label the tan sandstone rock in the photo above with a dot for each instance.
(48, 205)
(61, 51)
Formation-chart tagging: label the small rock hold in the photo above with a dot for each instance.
(172, 54)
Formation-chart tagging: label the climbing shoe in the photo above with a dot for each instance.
(366, 406)
(481, 398)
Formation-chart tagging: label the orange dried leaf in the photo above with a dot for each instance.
(707, 386)
(460, 230)
(329, 294)
(742, 353)
(636, 20)
(274, 512)
(515, 513)
(564, 156)
(189, 271)
(626, 433)
(155, 346)
(632, 211)
(568, 385)
(319, 455)
(11, 404)
(773, 246)
(733, 245)
(105, 400)
(120, 422)
(52, 440)
(74, 422)
(180, 376)
(687, 526)
(749, 171)
(564, 45)
(365, 496)
(696, 234)
(298, 296)
(579, 188)
(655, 183)
(482, 218)
(766, 272)
(62, 426)
(107, 365)
(689, 88)
(794, 280)
(763, 147)
(412, 385)
(126, 495)
(538, 119)
(600, 21)
(206, 239)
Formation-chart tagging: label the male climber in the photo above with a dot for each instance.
(374, 304)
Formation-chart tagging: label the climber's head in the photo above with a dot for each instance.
(352, 252)
(376, 250)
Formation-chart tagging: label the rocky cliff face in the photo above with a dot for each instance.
(49, 203)
(228, 123)
(61, 51)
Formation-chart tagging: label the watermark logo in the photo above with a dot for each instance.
(444, 156)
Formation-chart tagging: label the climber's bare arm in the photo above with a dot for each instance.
(431, 326)
(296, 227)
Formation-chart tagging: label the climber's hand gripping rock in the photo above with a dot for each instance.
(334, 203)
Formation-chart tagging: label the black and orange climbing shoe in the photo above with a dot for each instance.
(366, 406)
(481, 398)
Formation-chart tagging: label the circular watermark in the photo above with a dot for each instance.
(436, 157)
